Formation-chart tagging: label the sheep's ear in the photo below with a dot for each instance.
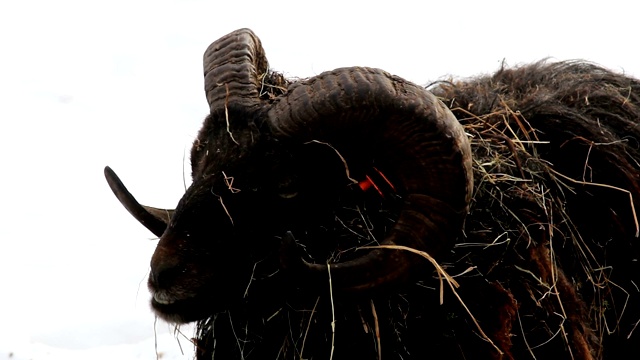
(154, 219)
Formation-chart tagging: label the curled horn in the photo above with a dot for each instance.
(427, 153)
(233, 65)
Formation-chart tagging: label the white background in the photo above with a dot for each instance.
(84, 84)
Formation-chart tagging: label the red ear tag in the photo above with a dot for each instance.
(368, 183)
(365, 184)
(375, 186)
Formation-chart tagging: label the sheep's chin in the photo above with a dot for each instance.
(180, 311)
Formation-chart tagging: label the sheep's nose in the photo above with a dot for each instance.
(165, 268)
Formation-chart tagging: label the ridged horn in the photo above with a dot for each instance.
(154, 219)
(428, 152)
(233, 66)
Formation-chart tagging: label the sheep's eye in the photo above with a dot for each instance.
(288, 194)
(287, 188)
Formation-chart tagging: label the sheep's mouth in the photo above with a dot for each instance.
(162, 298)
(180, 310)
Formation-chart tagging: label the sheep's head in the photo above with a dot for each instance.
(266, 172)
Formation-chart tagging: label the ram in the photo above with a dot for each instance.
(356, 215)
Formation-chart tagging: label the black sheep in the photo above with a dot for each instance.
(524, 184)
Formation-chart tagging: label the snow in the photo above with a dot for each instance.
(165, 346)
